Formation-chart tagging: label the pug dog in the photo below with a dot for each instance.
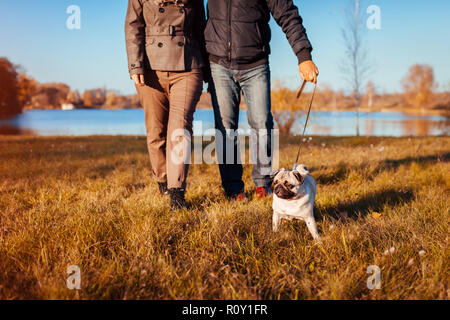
(294, 193)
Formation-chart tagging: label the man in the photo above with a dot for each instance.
(237, 39)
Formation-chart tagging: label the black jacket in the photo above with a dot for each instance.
(237, 31)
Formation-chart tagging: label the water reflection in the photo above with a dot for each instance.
(131, 122)
(321, 130)
(370, 126)
(416, 127)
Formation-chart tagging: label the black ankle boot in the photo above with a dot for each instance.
(163, 188)
(177, 198)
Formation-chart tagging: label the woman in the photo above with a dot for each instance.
(166, 60)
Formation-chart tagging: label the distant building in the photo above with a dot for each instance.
(67, 106)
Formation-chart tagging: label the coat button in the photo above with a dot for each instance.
(160, 44)
(180, 44)
(161, 10)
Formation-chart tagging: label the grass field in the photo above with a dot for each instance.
(91, 202)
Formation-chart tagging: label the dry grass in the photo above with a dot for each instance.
(90, 201)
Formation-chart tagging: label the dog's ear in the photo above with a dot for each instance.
(274, 173)
(298, 176)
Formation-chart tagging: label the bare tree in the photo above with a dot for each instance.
(356, 65)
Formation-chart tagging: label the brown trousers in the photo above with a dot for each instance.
(169, 100)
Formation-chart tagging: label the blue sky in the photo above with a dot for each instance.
(34, 35)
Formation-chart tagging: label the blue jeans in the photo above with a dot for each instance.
(226, 87)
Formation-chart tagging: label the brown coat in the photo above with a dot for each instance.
(165, 35)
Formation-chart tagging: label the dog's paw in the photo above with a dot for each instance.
(275, 222)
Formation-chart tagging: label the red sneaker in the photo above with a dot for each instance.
(241, 196)
(262, 192)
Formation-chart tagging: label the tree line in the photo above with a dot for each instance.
(19, 92)
(419, 94)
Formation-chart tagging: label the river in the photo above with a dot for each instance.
(81, 122)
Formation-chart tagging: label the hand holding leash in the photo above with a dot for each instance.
(308, 71)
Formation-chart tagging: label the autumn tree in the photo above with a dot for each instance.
(325, 96)
(100, 96)
(73, 97)
(50, 95)
(110, 99)
(286, 108)
(9, 91)
(88, 100)
(418, 85)
(27, 87)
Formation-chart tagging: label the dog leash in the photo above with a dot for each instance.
(307, 117)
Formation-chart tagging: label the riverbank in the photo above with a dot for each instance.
(91, 202)
(205, 103)
(413, 111)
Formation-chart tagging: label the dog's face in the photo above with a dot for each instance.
(287, 184)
